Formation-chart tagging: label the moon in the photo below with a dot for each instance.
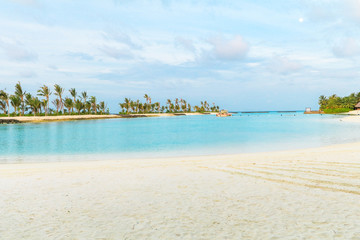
(301, 20)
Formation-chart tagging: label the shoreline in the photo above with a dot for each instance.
(37, 119)
(40, 119)
(308, 193)
(45, 119)
(148, 156)
(115, 157)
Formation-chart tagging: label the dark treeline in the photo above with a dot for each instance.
(175, 106)
(24, 103)
(334, 103)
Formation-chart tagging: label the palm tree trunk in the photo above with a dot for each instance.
(22, 106)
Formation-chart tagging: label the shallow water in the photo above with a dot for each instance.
(172, 136)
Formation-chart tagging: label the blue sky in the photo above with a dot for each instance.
(242, 55)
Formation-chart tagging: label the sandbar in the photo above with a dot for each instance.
(39, 119)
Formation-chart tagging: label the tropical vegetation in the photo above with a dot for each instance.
(22, 103)
(171, 106)
(336, 104)
(57, 101)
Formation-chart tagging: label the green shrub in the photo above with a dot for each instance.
(337, 110)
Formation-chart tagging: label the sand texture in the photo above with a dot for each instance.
(351, 119)
(38, 119)
(302, 194)
(355, 112)
(59, 118)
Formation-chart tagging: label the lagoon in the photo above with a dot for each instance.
(172, 136)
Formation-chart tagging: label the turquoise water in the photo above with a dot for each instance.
(172, 136)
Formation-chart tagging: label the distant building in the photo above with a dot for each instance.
(357, 106)
(307, 109)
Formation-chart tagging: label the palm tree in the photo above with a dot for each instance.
(141, 107)
(57, 104)
(15, 102)
(69, 104)
(122, 106)
(206, 106)
(34, 103)
(169, 103)
(73, 93)
(21, 94)
(3, 106)
(84, 96)
(153, 106)
(44, 103)
(88, 106)
(147, 98)
(157, 106)
(183, 105)
(357, 97)
(44, 91)
(79, 105)
(59, 91)
(93, 104)
(102, 107)
(323, 102)
(137, 106)
(6, 98)
(28, 98)
(176, 104)
(132, 106)
(127, 103)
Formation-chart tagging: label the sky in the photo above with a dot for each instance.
(242, 55)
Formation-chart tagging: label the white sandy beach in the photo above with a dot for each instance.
(302, 194)
(59, 118)
(351, 119)
(26, 119)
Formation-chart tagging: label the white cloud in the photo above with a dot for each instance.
(323, 11)
(348, 47)
(230, 49)
(341, 11)
(116, 53)
(283, 65)
(19, 54)
(81, 56)
(253, 64)
(16, 51)
(123, 38)
(26, 2)
(27, 74)
(353, 9)
(187, 44)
